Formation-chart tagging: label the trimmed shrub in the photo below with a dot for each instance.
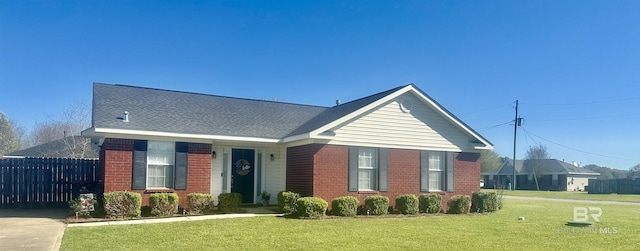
(164, 204)
(407, 204)
(122, 204)
(430, 203)
(311, 207)
(459, 204)
(199, 202)
(377, 205)
(345, 206)
(485, 202)
(229, 202)
(287, 201)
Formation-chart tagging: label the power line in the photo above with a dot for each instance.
(578, 150)
(528, 135)
(494, 126)
(588, 118)
(585, 103)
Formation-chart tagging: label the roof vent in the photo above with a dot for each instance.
(125, 117)
(337, 102)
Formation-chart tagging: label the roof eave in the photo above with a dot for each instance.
(306, 136)
(107, 132)
(581, 173)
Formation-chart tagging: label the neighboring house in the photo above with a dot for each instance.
(555, 175)
(394, 142)
(74, 147)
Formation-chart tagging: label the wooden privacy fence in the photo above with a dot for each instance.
(45, 182)
(619, 186)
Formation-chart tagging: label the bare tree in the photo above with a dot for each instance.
(534, 162)
(66, 128)
(20, 132)
(9, 139)
(50, 130)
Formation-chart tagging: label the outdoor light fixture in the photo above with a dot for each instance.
(272, 157)
(213, 154)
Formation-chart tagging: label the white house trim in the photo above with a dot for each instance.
(101, 132)
(316, 134)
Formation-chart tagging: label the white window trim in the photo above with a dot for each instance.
(441, 170)
(375, 161)
(171, 165)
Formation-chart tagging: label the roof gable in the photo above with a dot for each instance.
(341, 114)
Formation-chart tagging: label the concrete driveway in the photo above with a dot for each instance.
(31, 229)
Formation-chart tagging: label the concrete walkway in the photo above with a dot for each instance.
(251, 212)
(31, 229)
(572, 200)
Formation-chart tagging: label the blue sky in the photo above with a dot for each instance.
(574, 65)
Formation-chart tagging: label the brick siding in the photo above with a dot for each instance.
(330, 164)
(116, 156)
(300, 169)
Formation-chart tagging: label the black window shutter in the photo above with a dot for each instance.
(182, 165)
(450, 171)
(424, 171)
(383, 170)
(353, 168)
(139, 172)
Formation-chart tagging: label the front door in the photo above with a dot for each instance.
(242, 172)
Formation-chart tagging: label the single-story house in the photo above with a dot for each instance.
(68, 147)
(556, 175)
(391, 143)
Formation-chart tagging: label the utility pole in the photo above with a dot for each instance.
(516, 122)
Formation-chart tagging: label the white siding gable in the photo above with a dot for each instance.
(417, 126)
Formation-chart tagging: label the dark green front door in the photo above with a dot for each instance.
(242, 173)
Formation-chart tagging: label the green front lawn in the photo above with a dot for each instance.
(543, 229)
(573, 195)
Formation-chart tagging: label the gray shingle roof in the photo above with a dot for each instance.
(183, 112)
(56, 149)
(194, 113)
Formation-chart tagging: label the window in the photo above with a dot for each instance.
(436, 170)
(367, 168)
(160, 163)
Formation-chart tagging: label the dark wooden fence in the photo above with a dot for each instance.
(619, 186)
(45, 182)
